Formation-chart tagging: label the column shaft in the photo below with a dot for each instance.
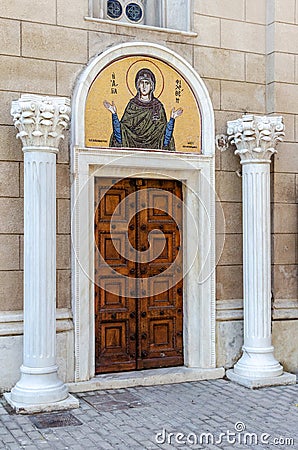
(256, 254)
(258, 359)
(40, 122)
(39, 382)
(255, 138)
(39, 259)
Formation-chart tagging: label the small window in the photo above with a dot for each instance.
(125, 10)
(114, 9)
(173, 14)
(134, 12)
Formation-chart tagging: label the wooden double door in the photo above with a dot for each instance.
(138, 274)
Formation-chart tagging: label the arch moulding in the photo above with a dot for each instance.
(196, 171)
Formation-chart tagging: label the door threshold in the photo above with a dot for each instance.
(152, 377)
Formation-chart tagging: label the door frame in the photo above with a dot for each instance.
(195, 171)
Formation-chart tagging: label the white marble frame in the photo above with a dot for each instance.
(197, 173)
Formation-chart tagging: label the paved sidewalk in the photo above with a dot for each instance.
(144, 418)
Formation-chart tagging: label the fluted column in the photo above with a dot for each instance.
(255, 138)
(40, 122)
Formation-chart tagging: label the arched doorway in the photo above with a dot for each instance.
(191, 165)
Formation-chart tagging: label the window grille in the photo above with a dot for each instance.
(173, 14)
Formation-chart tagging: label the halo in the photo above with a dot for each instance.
(145, 64)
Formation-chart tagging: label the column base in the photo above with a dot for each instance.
(22, 408)
(258, 363)
(255, 383)
(39, 385)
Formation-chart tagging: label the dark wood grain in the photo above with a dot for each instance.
(139, 324)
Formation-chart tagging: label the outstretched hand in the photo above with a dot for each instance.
(177, 113)
(110, 106)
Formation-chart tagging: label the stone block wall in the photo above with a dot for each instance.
(282, 98)
(245, 51)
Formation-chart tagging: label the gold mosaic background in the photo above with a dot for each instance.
(117, 83)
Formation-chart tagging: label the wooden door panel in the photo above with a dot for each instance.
(162, 346)
(162, 294)
(114, 339)
(155, 320)
(160, 205)
(160, 324)
(112, 205)
(115, 329)
(114, 294)
(117, 350)
(139, 316)
(161, 247)
(162, 338)
(112, 248)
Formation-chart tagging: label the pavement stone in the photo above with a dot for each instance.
(166, 417)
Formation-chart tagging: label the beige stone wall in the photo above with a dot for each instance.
(230, 55)
(282, 93)
(246, 52)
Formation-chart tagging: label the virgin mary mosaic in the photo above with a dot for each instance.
(142, 104)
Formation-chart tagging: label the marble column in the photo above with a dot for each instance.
(40, 122)
(255, 138)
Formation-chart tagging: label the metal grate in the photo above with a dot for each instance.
(54, 420)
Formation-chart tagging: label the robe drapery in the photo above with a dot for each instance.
(143, 125)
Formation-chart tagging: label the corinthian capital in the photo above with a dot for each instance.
(255, 137)
(40, 120)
